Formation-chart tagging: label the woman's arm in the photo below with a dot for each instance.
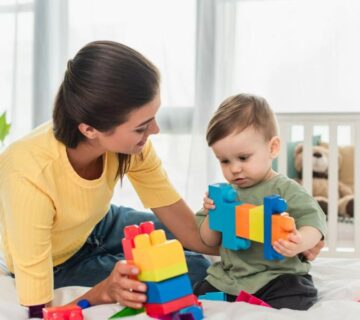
(180, 220)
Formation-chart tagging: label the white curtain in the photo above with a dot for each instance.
(296, 53)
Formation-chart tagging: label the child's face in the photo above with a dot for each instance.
(246, 157)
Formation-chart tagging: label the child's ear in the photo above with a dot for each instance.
(274, 147)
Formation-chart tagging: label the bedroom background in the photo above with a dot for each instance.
(301, 55)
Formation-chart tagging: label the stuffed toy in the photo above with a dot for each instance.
(320, 181)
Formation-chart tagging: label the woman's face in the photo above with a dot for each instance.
(130, 137)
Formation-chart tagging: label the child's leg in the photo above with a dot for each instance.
(289, 291)
(203, 287)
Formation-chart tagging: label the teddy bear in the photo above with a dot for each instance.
(320, 161)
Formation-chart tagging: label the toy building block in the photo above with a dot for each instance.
(256, 219)
(168, 290)
(282, 226)
(158, 310)
(249, 298)
(70, 312)
(130, 232)
(126, 312)
(272, 205)
(214, 296)
(158, 258)
(189, 313)
(242, 222)
(221, 217)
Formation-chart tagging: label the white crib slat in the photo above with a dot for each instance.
(284, 138)
(307, 157)
(356, 129)
(333, 188)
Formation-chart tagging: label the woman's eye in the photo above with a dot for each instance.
(141, 130)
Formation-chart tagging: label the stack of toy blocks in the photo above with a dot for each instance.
(240, 223)
(163, 268)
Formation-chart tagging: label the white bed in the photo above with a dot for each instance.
(337, 279)
(336, 273)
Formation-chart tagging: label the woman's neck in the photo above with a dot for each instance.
(86, 161)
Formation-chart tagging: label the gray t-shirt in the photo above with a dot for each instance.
(248, 269)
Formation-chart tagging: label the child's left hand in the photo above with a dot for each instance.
(290, 247)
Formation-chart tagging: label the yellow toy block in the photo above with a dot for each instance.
(256, 219)
(158, 258)
(242, 220)
(282, 226)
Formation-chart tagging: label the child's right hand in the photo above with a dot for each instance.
(208, 203)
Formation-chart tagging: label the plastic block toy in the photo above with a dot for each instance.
(272, 205)
(249, 298)
(224, 196)
(189, 313)
(130, 233)
(167, 290)
(158, 258)
(157, 310)
(163, 268)
(126, 312)
(240, 223)
(71, 312)
(214, 296)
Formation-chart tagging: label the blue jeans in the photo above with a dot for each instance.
(97, 257)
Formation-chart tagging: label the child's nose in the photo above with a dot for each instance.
(235, 168)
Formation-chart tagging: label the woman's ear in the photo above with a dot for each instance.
(274, 147)
(88, 131)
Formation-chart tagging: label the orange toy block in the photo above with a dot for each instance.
(161, 309)
(282, 226)
(242, 220)
(158, 258)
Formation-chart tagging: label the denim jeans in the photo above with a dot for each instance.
(97, 257)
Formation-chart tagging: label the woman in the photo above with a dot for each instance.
(58, 228)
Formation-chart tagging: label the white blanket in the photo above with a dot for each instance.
(338, 282)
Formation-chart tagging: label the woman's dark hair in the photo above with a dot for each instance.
(103, 83)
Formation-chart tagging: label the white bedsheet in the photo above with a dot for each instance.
(338, 281)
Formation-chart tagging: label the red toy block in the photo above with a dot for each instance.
(249, 298)
(130, 232)
(282, 226)
(157, 310)
(71, 312)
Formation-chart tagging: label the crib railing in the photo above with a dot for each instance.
(332, 121)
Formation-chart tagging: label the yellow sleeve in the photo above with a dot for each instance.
(150, 179)
(28, 217)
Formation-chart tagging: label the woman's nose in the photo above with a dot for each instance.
(153, 128)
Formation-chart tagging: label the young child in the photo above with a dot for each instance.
(243, 135)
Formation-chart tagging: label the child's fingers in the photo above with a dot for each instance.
(208, 204)
(285, 248)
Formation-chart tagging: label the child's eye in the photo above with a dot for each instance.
(224, 161)
(244, 158)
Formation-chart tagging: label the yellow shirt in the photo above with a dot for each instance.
(47, 211)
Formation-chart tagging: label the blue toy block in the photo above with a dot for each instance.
(168, 290)
(189, 313)
(214, 296)
(222, 218)
(273, 204)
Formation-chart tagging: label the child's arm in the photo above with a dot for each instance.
(209, 237)
(300, 240)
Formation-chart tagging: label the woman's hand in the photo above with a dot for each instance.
(208, 204)
(122, 287)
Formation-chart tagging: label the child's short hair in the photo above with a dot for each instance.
(238, 112)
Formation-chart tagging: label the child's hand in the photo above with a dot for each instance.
(290, 247)
(208, 204)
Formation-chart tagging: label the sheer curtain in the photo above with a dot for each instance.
(299, 54)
